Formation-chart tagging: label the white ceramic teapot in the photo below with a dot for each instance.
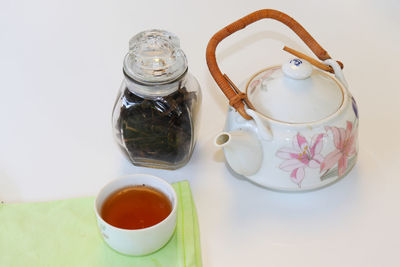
(295, 128)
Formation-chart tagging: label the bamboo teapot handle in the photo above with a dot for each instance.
(236, 98)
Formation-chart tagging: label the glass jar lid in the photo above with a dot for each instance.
(155, 57)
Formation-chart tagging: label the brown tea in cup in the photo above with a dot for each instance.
(136, 207)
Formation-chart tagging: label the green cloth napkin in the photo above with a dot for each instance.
(64, 233)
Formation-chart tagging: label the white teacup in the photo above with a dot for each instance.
(140, 241)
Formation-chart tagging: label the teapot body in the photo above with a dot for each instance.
(301, 156)
(300, 122)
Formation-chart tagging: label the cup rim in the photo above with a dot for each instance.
(162, 181)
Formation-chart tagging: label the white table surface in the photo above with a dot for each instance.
(60, 69)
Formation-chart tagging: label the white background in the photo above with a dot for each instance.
(60, 69)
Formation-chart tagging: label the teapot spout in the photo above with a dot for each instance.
(243, 151)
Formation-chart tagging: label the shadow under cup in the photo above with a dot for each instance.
(138, 241)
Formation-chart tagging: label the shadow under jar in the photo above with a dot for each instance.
(155, 115)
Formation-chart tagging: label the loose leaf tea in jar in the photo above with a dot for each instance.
(155, 115)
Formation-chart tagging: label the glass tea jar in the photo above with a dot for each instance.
(155, 116)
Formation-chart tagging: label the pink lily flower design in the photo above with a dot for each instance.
(300, 156)
(345, 143)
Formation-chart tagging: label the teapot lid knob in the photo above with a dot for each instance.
(297, 69)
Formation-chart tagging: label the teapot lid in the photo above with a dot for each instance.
(295, 92)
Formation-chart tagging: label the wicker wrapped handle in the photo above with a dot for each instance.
(235, 98)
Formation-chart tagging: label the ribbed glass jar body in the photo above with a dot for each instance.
(158, 131)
